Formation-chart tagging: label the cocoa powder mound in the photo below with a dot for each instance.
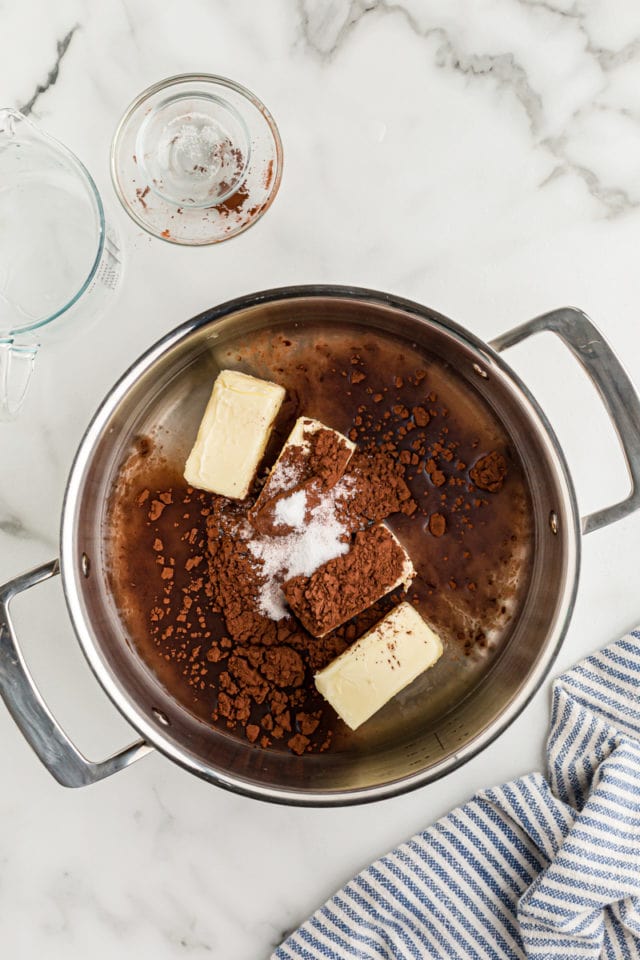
(343, 587)
(283, 666)
(327, 458)
(379, 488)
(235, 579)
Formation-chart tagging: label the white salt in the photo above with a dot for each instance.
(282, 477)
(291, 511)
(314, 541)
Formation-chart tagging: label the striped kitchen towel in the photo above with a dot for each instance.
(538, 868)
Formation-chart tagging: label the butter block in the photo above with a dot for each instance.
(379, 665)
(293, 468)
(233, 434)
(375, 564)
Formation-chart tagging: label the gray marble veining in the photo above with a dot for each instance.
(61, 46)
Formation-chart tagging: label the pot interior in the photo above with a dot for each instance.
(448, 713)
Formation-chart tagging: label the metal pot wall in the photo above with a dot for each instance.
(169, 381)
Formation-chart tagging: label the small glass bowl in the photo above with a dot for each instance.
(196, 159)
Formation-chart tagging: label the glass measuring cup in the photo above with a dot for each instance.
(58, 256)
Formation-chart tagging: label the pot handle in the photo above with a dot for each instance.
(612, 382)
(18, 690)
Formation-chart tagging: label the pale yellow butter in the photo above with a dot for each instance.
(408, 571)
(233, 434)
(379, 665)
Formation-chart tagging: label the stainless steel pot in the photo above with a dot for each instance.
(167, 385)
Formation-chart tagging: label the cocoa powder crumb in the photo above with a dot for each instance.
(421, 417)
(306, 723)
(437, 524)
(157, 508)
(298, 743)
(489, 472)
(253, 732)
(215, 654)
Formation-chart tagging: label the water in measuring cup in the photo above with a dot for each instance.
(49, 238)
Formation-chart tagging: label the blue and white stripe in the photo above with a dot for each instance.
(538, 868)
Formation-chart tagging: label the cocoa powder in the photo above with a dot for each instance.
(437, 524)
(343, 587)
(380, 488)
(186, 586)
(489, 472)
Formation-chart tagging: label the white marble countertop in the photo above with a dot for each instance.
(480, 158)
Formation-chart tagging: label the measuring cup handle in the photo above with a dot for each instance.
(16, 367)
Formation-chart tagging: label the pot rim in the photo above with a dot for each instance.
(71, 563)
